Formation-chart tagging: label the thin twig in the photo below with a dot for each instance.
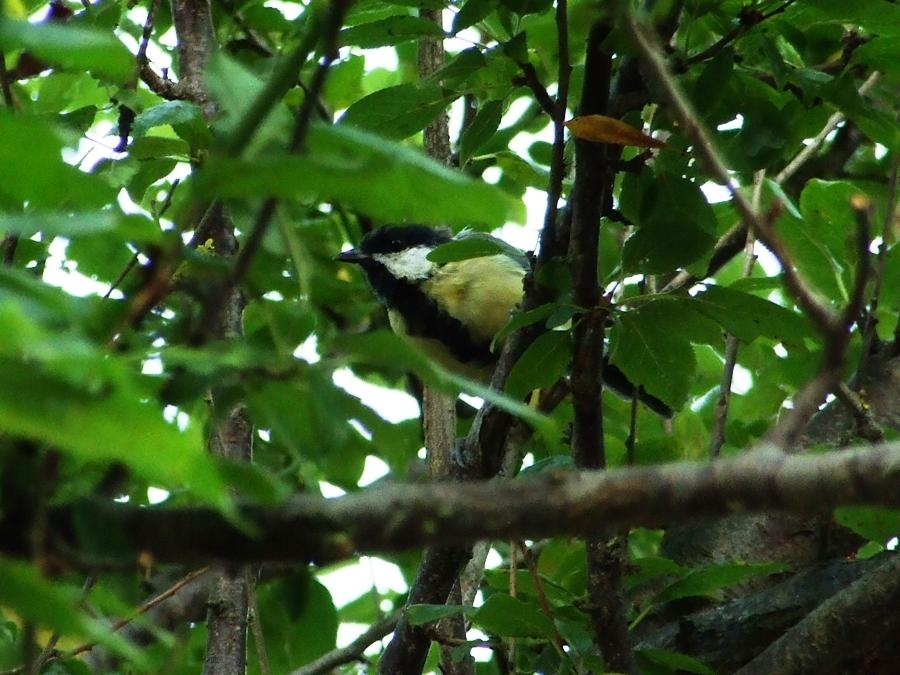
(121, 623)
(528, 558)
(161, 86)
(631, 440)
(866, 426)
(8, 98)
(747, 21)
(836, 338)
(147, 32)
(808, 151)
(352, 652)
(558, 114)
(255, 622)
(887, 229)
(330, 30)
(530, 78)
(717, 436)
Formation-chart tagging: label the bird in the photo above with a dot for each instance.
(453, 311)
(449, 311)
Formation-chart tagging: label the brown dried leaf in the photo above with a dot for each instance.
(603, 129)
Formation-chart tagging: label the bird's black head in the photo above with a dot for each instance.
(394, 238)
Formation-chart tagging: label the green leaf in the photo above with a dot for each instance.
(182, 116)
(520, 171)
(652, 569)
(876, 124)
(506, 616)
(674, 661)
(389, 31)
(312, 416)
(468, 245)
(781, 195)
(471, 12)
(876, 523)
(359, 169)
(123, 429)
(235, 89)
(523, 7)
(31, 170)
(399, 111)
(526, 587)
(419, 615)
(649, 345)
(675, 225)
(385, 349)
(123, 227)
(879, 16)
(483, 126)
(543, 363)
(75, 48)
(298, 618)
(747, 316)
(708, 581)
(523, 319)
(54, 605)
(822, 243)
(459, 68)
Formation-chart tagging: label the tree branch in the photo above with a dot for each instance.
(352, 652)
(406, 517)
(591, 195)
(834, 326)
(440, 566)
(726, 636)
(836, 623)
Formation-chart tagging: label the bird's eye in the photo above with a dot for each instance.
(396, 244)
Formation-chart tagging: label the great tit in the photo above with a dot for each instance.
(453, 311)
(449, 311)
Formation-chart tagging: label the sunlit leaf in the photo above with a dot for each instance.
(31, 170)
(74, 48)
(358, 169)
(53, 605)
(877, 523)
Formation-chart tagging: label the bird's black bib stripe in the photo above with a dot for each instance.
(423, 317)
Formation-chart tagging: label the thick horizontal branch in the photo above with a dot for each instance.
(411, 516)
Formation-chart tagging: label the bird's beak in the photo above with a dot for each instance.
(351, 256)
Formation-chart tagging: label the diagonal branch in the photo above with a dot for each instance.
(834, 326)
(838, 621)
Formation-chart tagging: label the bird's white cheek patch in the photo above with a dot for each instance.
(411, 264)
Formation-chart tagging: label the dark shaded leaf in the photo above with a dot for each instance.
(389, 31)
(510, 617)
(419, 615)
(542, 364)
(483, 126)
(398, 112)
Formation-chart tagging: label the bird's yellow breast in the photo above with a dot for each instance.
(481, 292)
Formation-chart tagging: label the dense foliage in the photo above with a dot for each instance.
(172, 197)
